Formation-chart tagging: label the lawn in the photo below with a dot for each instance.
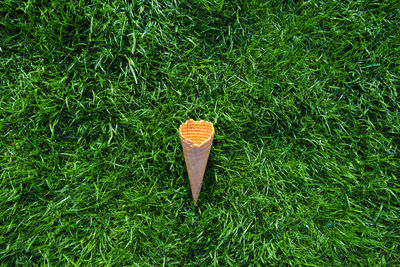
(304, 98)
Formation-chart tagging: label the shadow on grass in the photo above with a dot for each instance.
(208, 190)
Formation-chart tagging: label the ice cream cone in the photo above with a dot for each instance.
(196, 139)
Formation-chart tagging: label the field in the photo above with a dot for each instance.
(305, 163)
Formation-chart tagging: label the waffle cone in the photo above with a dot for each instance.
(196, 139)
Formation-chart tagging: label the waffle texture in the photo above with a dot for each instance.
(196, 138)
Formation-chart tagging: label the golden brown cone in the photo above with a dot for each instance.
(196, 139)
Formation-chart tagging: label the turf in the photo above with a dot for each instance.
(304, 97)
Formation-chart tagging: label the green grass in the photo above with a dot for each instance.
(305, 165)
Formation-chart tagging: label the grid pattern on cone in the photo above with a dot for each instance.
(196, 132)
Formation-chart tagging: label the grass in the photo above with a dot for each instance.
(304, 96)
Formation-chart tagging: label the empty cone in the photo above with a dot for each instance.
(196, 139)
